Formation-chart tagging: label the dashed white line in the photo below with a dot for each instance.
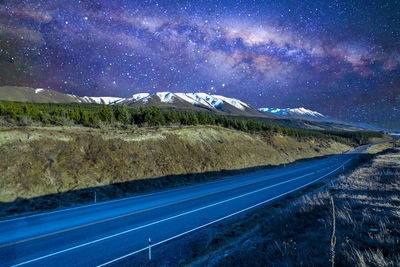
(163, 220)
(182, 214)
(220, 219)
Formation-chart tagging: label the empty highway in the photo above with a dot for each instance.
(109, 232)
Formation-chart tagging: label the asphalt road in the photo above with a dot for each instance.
(114, 231)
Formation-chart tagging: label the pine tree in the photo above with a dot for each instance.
(11, 111)
(105, 113)
(202, 118)
(84, 117)
(172, 116)
(2, 109)
(122, 114)
(75, 115)
(183, 118)
(92, 117)
(210, 119)
(157, 116)
(192, 119)
(242, 125)
(44, 117)
(250, 125)
(26, 109)
(35, 113)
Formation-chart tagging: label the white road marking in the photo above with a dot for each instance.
(220, 219)
(163, 220)
(256, 179)
(182, 214)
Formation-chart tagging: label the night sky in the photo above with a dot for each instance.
(341, 58)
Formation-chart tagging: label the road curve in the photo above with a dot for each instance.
(108, 232)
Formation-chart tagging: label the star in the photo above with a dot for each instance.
(335, 58)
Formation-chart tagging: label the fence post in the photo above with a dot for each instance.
(333, 237)
(149, 249)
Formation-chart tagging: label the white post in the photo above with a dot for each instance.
(149, 249)
(95, 196)
(284, 165)
(343, 167)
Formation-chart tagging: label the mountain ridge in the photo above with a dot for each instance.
(196, 102)
(202, 100)
(185, 101)
(300, 112)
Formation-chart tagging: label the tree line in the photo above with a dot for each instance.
(92, 114)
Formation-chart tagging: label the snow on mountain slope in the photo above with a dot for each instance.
(303, 111)
(234, 102)
(276, 111)
(139, 97)
(294, 112)
(77, 98)
(190, 98)
(219, 102)
(166, 97)
(106, 100)
(196, 99)
(109, 100)
(213, 101)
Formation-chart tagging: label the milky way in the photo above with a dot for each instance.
(341, 58)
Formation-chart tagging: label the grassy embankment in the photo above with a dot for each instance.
(38, 161)
(297, 231)
(81, 148)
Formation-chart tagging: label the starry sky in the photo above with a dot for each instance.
(341, 58)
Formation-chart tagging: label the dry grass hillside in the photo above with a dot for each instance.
(27, 94)
(37, 161)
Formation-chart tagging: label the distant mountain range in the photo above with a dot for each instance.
(183, 101)
(195, 101)
(301, 113)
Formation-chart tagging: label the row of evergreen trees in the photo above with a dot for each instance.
(91, 114)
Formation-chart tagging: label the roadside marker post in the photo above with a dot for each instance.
(95, 197)
(149, 249)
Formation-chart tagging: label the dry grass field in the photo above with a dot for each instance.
(49, 167)
(45, 160)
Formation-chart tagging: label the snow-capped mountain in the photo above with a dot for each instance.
(196, 99)
(98, 100)
(181, 101)
(192, 101)
(184, 101)
(300, 113)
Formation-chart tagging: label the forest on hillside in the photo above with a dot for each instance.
(93, 114)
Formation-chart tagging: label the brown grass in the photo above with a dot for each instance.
(374, 149)
(37, 161)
